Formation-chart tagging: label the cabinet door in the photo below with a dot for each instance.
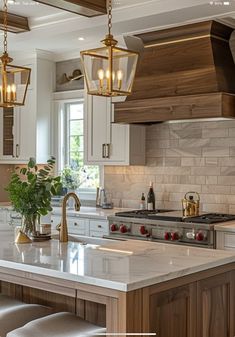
(97, 128)
(18, 133)
(172, 313)
(215, 298)
(7, 134)
(106, 143)
(26, 138)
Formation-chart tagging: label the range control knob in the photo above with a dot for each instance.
(143, 230)
(113, 228)
(167, 236)
(123, 229)
(174, 236)
(199, 236)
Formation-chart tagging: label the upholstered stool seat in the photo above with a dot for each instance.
(61, 324)
(14, 313)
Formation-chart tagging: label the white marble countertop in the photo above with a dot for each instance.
(226, 226)
(120, 265)
(90, 212)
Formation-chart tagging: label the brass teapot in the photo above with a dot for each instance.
(191, 204)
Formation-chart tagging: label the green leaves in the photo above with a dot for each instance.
(30, 189)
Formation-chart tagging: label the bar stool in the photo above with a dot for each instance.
(14, 313)
(61, 324)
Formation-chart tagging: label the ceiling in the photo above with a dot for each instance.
(58, 31)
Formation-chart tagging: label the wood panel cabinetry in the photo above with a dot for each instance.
(172, 312)
(215, 306)
(197, 305)
(203, 308)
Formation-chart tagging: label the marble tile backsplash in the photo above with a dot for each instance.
(181, 157)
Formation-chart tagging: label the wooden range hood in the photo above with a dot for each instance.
(185, 72)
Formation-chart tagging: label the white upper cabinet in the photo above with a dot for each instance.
(25, 130)
(107, 143)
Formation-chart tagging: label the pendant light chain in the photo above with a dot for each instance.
(5, 25)
(109, 16)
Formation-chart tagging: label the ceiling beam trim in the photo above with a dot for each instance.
(88, 8)
(15, 23)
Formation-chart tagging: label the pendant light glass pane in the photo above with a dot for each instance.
(14, 81)
(109, 71)
(124, 65)
(96, 65)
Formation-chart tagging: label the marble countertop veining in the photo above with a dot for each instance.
(226, 226)
(121, 265)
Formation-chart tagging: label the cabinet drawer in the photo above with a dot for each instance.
(99, 226)
(55, 220)
(77, 226)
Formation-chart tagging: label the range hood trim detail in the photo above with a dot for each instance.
(193, 79)
(176, 108)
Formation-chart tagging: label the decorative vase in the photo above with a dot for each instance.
(28, 228)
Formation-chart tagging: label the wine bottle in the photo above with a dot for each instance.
(151, 198)
(142, 202)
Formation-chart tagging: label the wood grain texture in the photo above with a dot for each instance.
(89, 8)
(12, 290)
(197, 305)
(95, 313)
(215, 310)
(177, 65)
(175, 108)
(173, 312)
(57, 302)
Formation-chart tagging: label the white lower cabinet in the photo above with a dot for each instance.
(225, 240)
(78, 226)
(83, 226)
(99, 228)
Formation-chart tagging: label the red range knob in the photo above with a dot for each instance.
(143, 230)
(167, 236)
(113, 227)
(174, 236)
(199, 236)
(123, 229)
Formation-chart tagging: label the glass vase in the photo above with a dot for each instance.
(28, 225)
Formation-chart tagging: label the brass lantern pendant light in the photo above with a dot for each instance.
(14, 80)
(109, 70)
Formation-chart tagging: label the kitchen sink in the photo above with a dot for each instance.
(85, 240)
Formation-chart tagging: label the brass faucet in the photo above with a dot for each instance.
(63, 227)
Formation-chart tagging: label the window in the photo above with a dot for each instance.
(72, 145)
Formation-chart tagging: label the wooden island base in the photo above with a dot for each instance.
(197, 305)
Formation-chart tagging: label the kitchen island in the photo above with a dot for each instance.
(129, 286)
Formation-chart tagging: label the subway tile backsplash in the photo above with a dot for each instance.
(181, 157)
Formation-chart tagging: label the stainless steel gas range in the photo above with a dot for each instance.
(167, 226)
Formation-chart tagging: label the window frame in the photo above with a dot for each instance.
(57, 136)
